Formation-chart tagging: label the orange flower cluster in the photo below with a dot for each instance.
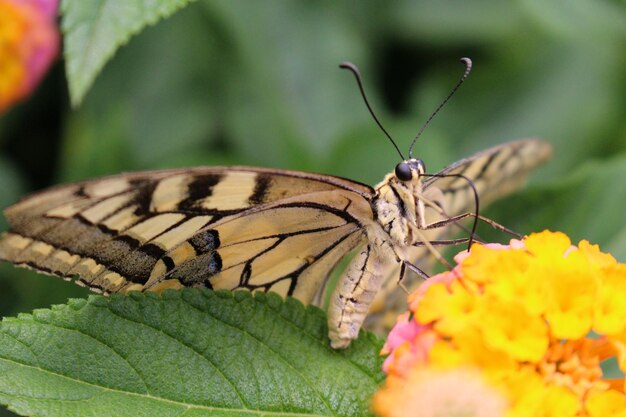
(522, 329)
(29, 41)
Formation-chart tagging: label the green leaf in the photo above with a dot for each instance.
(95, 29)
(190, 352)
(162, 113)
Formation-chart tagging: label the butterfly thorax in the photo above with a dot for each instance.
(398, 206)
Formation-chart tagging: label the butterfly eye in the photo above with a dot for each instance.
(403, 171)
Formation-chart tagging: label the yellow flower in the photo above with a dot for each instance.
(521, 316)
(605, 404)
(573, 291)
(610, 311)
(29, 41)
(447, 307)
(507, 327)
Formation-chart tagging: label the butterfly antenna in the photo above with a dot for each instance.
(468, 68)
(352, 68)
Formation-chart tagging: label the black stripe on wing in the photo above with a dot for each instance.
(495, 172)
(324, 235)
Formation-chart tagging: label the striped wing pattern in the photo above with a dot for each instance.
(496, 172)
(236, 227)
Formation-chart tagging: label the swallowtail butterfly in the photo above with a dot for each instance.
(256, 229)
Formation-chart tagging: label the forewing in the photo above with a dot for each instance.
(216, 227)
(495, 172)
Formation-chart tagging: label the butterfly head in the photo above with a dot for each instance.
(410, 170)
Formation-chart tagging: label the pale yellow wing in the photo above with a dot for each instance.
(496, 172)
(235, 227)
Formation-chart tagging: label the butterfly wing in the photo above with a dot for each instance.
(231, 228)
(495, 172)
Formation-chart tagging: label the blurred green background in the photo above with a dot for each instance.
(257, 83)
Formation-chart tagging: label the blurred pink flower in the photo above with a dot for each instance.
(409, 342)
(29, 42)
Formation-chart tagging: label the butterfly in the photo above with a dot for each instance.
(251, 228)
(256, 229)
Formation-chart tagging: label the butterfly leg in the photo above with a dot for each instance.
(353, 295)
(434, 204)
(403, 267)
(459, 217)
(409, 265)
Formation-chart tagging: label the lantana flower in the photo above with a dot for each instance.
(521, 329)
(29, 41)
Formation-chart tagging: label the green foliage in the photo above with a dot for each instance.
(93, 30)
(191, 352)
